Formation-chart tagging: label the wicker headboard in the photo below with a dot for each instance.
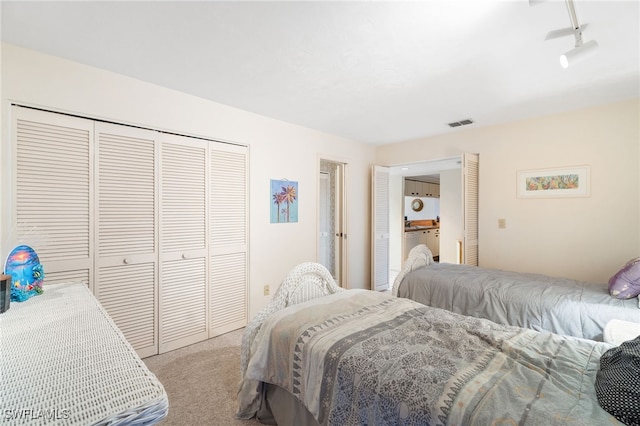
(418, 257)
(304, 282)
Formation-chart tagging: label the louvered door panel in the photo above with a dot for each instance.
(183, 195)
(471, 184)
(380, 219)
(62, 277)
(228, 293)
(126, 240)
(183, 242)
(228, 198)
(52, 190)
(229, 222)
(126, 293)
(127, 201)
(183, 314)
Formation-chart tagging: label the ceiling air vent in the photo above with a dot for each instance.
(461, 123)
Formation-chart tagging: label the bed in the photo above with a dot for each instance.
(535, 301)
(354, 357)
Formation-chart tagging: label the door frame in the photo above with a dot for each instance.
(419, 168)
(342, 222)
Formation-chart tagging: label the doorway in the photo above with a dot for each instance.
(332, 224)
(458, 178)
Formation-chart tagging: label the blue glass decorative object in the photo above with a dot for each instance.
(26, 273)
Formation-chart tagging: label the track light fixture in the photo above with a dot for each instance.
(581, 50)
(578, 53)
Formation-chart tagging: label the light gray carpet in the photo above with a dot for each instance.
(202, 381)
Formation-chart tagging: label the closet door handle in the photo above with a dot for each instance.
(184, 256)
(126, 260)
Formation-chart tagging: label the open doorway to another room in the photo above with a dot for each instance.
(419, 211)
(422, 213)
(458, 225)
(332, 226)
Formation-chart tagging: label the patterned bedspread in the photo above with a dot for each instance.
(362, 357)
(543, 303)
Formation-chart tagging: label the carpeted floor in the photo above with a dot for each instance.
(202, 381)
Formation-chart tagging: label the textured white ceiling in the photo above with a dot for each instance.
(376, 72)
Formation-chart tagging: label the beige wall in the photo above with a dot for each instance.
(583, 238)
(277, 150)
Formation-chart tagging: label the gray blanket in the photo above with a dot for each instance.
(539, 302)
(362, 357)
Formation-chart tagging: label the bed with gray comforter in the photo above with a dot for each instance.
(534, 301)
(361, 357)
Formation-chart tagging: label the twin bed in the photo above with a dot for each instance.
(542, 303)
(322, 355)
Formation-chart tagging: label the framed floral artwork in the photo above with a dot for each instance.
(556, 182)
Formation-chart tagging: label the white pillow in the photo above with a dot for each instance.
(617, 331)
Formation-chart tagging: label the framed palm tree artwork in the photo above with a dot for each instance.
(284, 201)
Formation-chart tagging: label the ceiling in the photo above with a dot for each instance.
(374, 72)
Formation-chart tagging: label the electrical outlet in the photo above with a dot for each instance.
(502, 223)
(266, 290)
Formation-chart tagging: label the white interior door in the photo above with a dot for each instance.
(183, 242)
(52, 192)
(470, 180)
(325, 231)
(228, 215)
(332, 219)
(126, 245)
(380, 229)
(340, 232)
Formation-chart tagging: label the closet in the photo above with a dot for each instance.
(154, 223)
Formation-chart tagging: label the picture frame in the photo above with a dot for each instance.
(560, 182)
(284, 201)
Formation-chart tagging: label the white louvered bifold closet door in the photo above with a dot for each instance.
(471, 181)
(228, 245)
(163, 243)
(183, 242)
(52, 192)
(126, 245)
(380, 220)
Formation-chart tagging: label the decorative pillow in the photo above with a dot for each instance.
(625, 284)
(618, 382)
